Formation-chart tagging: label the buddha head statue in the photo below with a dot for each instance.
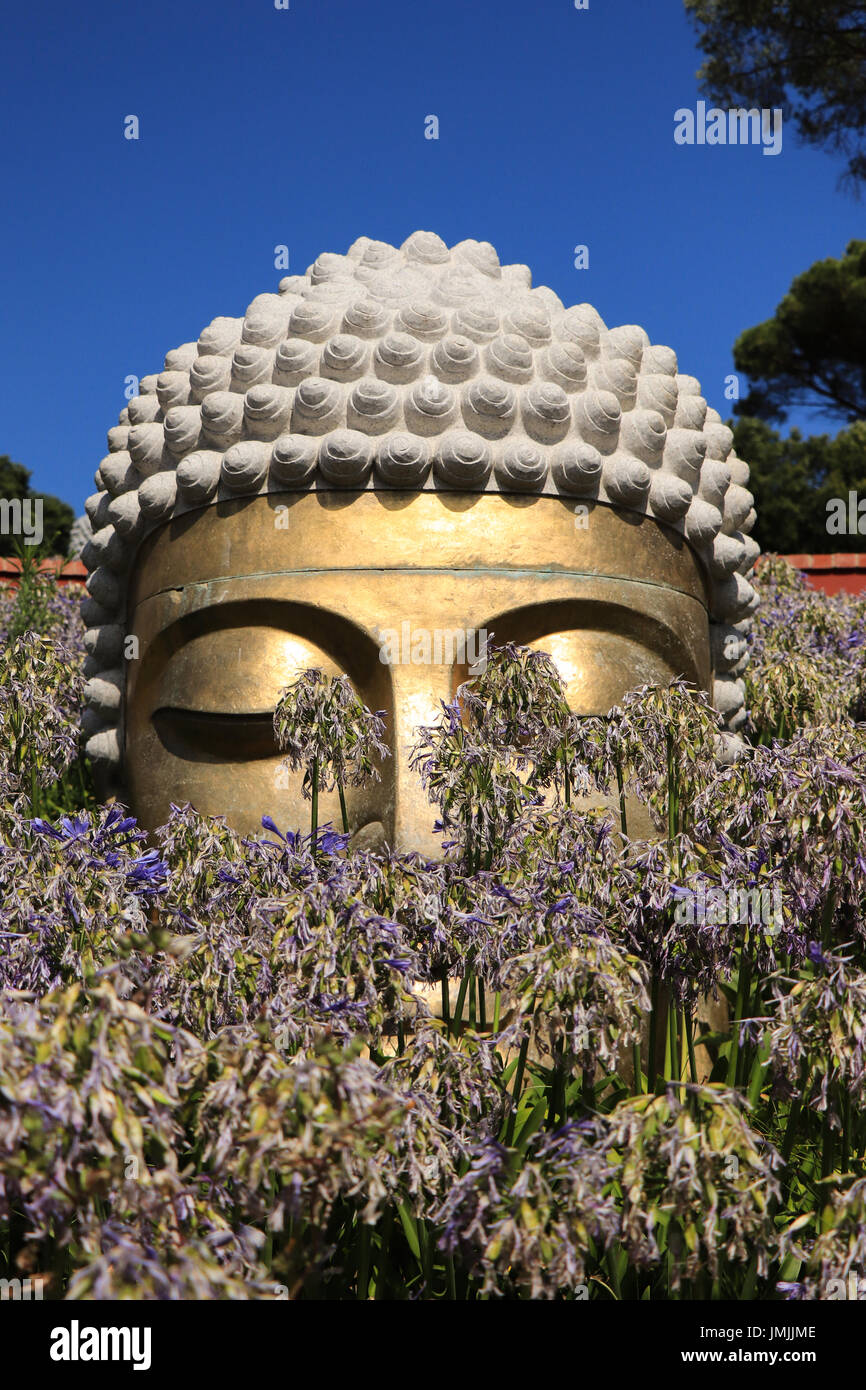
(399, 455)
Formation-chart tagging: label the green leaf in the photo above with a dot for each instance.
(410, 1229)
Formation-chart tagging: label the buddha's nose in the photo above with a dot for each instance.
(419, 690)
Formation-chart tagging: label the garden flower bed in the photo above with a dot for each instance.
(221, 1074)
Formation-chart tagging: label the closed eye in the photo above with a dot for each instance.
(204, 737)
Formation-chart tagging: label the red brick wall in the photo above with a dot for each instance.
(67, 571)
(833, 573)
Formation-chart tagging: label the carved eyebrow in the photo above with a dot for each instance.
(207, 737)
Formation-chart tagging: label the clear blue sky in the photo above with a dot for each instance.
(305, 126)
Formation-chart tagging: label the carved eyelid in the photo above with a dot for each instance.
(235, 672)
(198, 736)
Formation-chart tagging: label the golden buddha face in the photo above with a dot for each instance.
(401, 451)
(397, 590)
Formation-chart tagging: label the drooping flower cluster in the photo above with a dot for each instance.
(588, 999)
(527, 1223)
(695, 1176)
(494, 750)
(817, 1039)
(40, 696)
(832, 1258)
(324, 728)
(807, 663)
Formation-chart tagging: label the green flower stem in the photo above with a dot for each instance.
(748, 1291)
(564, 1079)
(688, 1024)
(671, 1050)
(620, 786)
(739, 1010)
(345, 813)
(791, 1127)
(364, 1262)
(518, 1083)
(314, 805)
(673, 807)
(426, 1256)
(470, 846)
(461, 996)
(446, 1004)
(636, 1067)
(753, 1002)
(827, 914)
(827, 1146)
(383, 1263)
(588, 1087)
(553, 1097)
(655, 999)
